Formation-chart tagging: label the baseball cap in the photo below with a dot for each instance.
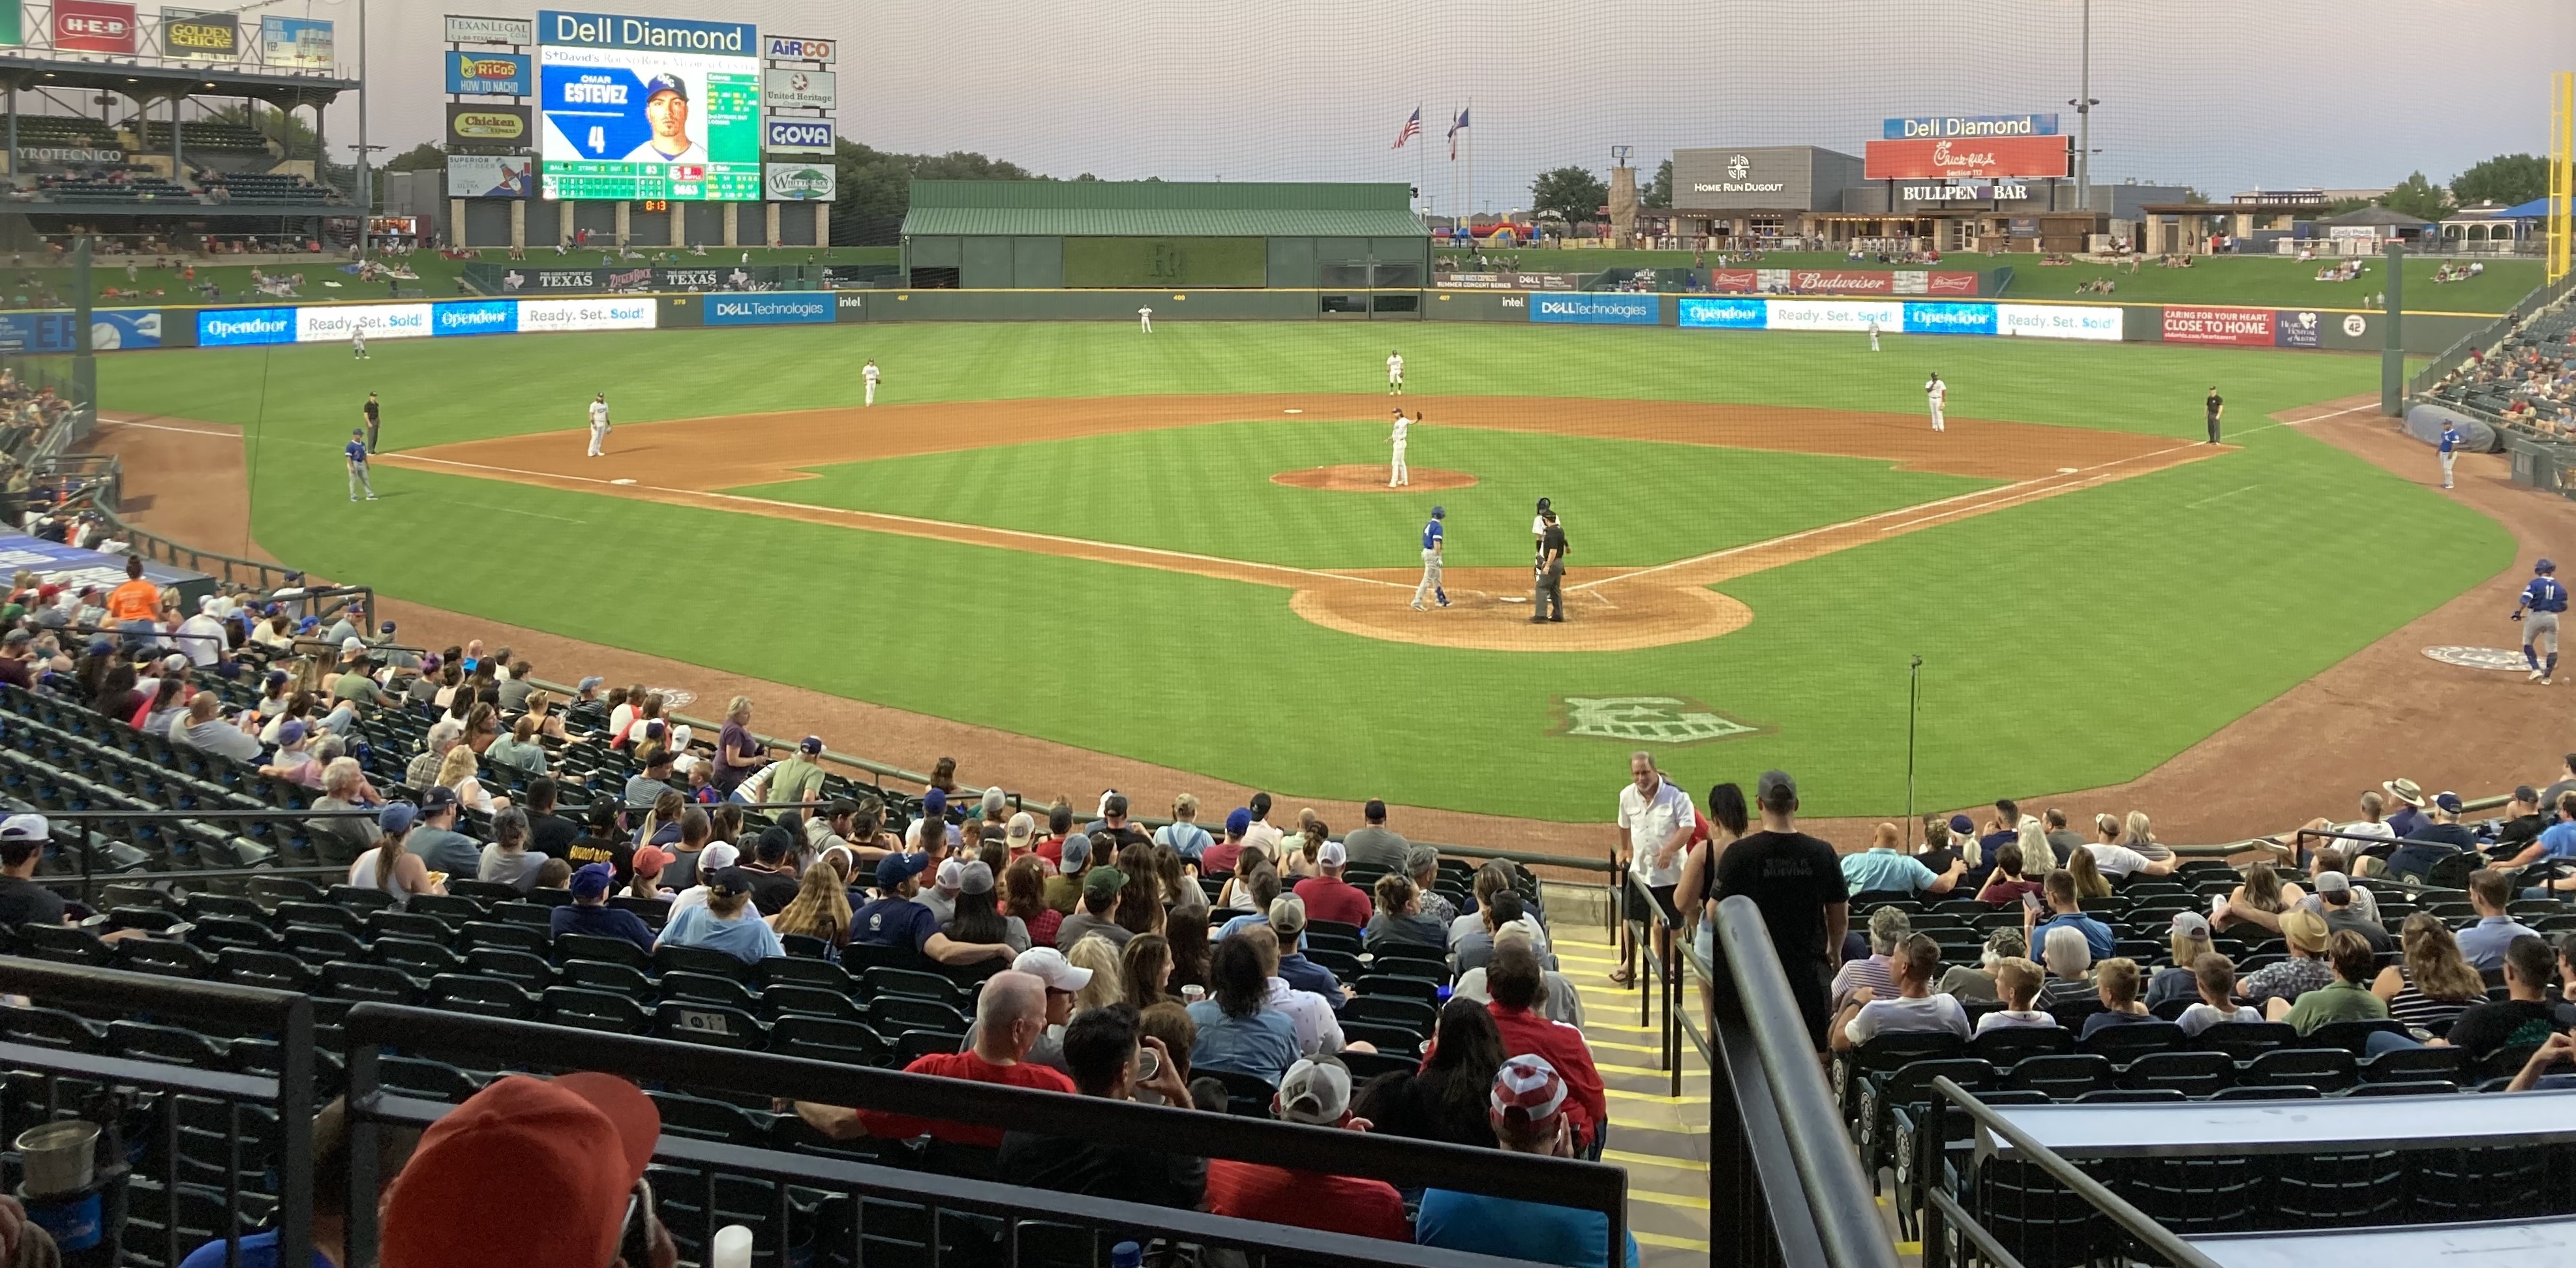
(2304, 929)
(173, 663)
(2525, 792)
(1332, 854)
(934, 802)
(1077, 850)
(1022, 827)
(397, 816)
(18, 636)
(353, 643)
(1105, 795)
(1103, 880)
(2448, 802)
(649, 860)
(1048, 965)
(895, 869)
(718, 856)
(1315, 1092)
(591, 880)
(1238, 821)
(1288, 917)
(1527, 1090)
(1439, 512)
(1774, 785)
(435, 799)
(666, 83)
(386, 628)
(584, 1139)
(585, 684)
(952, 874)
(811, 744)
(25, 828)
(2192, 925)
(1962, 823)
(2332, 883)
(290, 734)
(975, 878)
(727, 880)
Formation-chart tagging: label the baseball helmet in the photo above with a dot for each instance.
(2545, 566)
(1543, 504)
(1439, 512)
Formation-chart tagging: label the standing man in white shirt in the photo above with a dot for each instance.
(1395, 374)
(599, 425)
(357, 342)
(1145, 319)
(1873, 334)
(1397, 475)
(868, 372)
(1936, 394)
(1655, 822)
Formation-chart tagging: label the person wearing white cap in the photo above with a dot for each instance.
(941, 897)
(1020, 834)
(22, 900)
(717, 857)
(1329, 897)
(1317, 1093)
(1528, 1109)
(201, 637)
(1062, 979)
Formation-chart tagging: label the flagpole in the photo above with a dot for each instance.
(1422, 165)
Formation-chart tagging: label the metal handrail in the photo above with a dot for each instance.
(1829, 1174)
(2154, 1236)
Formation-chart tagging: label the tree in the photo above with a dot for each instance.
(2511, 179)
(1571, 194)
(876, 186)
(1659, 192)
(424, 157)
(2417, 196)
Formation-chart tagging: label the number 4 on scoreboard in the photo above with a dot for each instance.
(599, 141)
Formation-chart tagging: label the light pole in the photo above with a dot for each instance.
(2083, 104)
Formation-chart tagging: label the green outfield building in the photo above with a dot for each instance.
(1164, 235)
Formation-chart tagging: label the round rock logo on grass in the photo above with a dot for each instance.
(2504, 658)
(1646, 720)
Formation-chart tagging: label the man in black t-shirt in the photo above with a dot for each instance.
(549, 833)
(1547, 598)
(2526, 1018)
(2217, 407)
(22, 900)
(773, 878)
(1797, 882)
(372, 419)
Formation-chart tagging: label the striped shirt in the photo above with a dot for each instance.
(2420, 1011)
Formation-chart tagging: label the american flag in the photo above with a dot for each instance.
(1412, 129)
(1454, 130)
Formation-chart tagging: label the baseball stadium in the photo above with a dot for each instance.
(1860, 668)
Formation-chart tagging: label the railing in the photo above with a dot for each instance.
(201, 1114)
(1779, 1156)
(1681, 1022)
(494, 1044)
(2529, 306)
(90, 849)
(1942, 1211)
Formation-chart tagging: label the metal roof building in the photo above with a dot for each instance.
(1160, 235)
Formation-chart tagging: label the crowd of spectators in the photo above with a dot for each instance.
(2526, 382)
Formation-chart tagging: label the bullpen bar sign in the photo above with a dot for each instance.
(1594, 310)
(2236, 327)
(91, 26)
(208, 37)
(1982, 158)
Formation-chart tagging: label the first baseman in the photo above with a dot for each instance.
(1395, 374)
(2450, 442)
(1433, 538)
(869, 373)
(2538, 611)
(357, 452)
(1936, 393)
(599, 425)
(1398, 474)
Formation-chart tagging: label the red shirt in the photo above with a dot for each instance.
(1306, 1199)
(1219, 859)
(1043, 925)
(974, 1068)
(1052, 850)
(1332, 898)
(1526, 1032)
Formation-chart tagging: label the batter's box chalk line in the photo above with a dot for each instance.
(2068, 470)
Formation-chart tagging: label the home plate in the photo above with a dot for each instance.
(622, 481)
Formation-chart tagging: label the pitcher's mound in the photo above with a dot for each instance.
(1372, 479)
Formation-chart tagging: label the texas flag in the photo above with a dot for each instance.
(1454, 130)
(1412, 129)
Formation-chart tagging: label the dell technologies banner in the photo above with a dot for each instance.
(1610, 309)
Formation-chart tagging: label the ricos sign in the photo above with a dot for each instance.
(1967, 159)
(472, 74)
(797, 136)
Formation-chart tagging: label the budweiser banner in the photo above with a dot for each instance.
(2245, 327)
(1980, 158)
(1841, 282)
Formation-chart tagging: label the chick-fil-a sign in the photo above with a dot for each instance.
(1966, 158)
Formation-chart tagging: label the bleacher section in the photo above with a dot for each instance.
(214, 136)
(66, 131)
(123, 186)
(266, 187)
(2527, 382)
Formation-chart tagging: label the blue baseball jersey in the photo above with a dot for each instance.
(2450, 437)
(2544, 594)
(357, 451)
(1432, 534)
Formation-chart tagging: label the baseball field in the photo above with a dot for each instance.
(1178, 547)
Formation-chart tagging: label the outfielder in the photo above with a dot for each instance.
(1873, 334)
(1395, 374)
(2538, 611)
(1936, 393)
(1433, 538)
(357, 452)
(357, 343)
(1398, 474)
(2450, 441)
(869, 373)
(1145, 319)
(599, 425)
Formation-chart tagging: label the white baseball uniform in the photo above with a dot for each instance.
(1145, 319)
(358, 343)
(1398, 474)
(598, 427)
(869, 373)
(1873, 336)
(1935, 393)
(1394, 374)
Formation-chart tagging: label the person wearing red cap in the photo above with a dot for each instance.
(582, 1140)
(1514, 978)
(1009, 1016)
(1531, 1114)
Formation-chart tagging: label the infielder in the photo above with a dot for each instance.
(1936, 393)
(869, 373)
(357, 343)
(2538, 611)
(1433, 538)
(1145, 319)
(1398, 475)
(2217, 411)
(1395, 374)
(2450, 441)
(599, 425)
(357, 452)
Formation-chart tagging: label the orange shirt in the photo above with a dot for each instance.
(136, 600)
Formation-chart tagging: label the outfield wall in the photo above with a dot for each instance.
(117, 329)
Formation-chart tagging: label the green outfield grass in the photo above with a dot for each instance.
(438, 275)
(2259, 281)
(2070, 642)
(1208, 490)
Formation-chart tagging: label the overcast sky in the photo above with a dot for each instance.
(2218, 94)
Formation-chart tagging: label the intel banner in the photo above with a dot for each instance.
(380, 321)
(1837, 314)
(768, 310)
(1725, 314)
(1591, 310)
(475, 317)
(239, 327)
(540, 316)
(2059, 321)
(1949, 319)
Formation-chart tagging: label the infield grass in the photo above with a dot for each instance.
(2070, 642)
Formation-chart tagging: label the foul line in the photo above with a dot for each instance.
(963, 534)
(2193, 506)
(2297, 422)
(184, 431)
